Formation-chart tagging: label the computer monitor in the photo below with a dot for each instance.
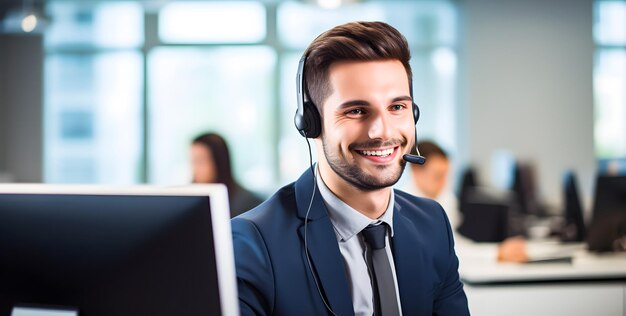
(610, 196)
(485, 222)
(574, 228)
(93, 251)
(524, 186)
(467, 183)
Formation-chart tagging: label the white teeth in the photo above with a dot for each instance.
(380, 153)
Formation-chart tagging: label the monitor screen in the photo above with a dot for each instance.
(525, 187)
(485, 222)
(574, 228)
(104, 251)
(610, 195)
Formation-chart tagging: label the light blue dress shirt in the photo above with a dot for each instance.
(348, 223)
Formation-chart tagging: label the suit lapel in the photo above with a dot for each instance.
(323, 249)
(409, 261)
(328, 265)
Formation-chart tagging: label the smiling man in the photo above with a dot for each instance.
(340, 240)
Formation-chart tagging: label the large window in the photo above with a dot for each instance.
(610, 79)
(128, 87)
(93, 93)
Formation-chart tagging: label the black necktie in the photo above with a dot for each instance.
(383, 286)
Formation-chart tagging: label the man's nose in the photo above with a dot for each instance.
(380, 127)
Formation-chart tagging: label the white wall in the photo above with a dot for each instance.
(527, 87)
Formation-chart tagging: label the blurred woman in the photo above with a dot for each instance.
(210, 161)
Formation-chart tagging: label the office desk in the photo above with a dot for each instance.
(591, 285)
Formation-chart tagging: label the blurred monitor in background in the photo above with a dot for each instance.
(467, 183)
(525, 187)
(488, 212)
(574, 226)
(94, 251)
(610, 196)
(485, 222)
(211, 163)
(607, 231)
(488, 217)
(430, 180)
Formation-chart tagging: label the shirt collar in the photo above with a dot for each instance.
(346, 220)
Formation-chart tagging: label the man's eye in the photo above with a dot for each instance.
(398, 107)
(356, 112)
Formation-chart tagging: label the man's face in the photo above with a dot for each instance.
(368, 122)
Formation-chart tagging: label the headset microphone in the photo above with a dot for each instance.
(416, 159)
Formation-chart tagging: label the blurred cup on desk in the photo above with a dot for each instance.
(539, 232)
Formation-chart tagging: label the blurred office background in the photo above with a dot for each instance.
(112, 92)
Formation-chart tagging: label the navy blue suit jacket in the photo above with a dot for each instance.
(273, 274)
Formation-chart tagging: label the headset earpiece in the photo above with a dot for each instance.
(309, 124)
(416, 112)
(416, 109)
(307, 118)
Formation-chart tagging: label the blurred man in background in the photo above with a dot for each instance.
(430, 180)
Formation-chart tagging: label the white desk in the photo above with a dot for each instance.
(591, 285)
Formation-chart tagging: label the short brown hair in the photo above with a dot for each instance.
(429, 148)
(354, 41)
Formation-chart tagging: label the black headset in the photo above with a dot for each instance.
(307, 118)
